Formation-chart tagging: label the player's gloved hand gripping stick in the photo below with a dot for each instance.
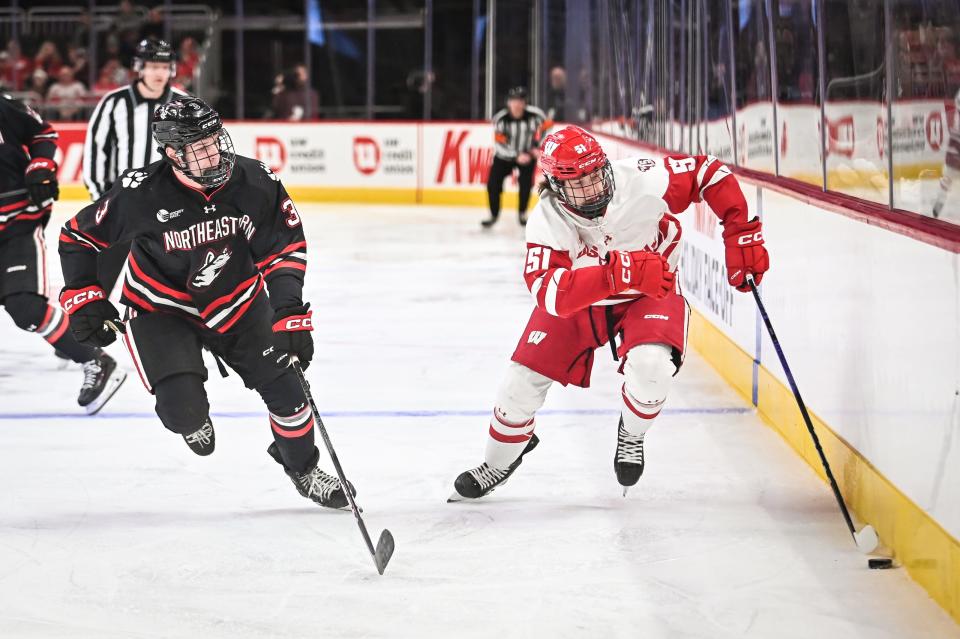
(866, 538)
(94, 319)
(385, 546)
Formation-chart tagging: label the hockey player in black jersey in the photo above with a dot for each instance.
(212, 233)
(28, 188)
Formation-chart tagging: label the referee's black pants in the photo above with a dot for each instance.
(499, 170)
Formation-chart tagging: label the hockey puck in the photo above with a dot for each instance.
(880, 563)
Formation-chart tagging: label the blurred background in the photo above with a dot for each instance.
(855, 97)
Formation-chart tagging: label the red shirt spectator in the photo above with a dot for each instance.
(20, 66)
(48, 59)
(187, 62)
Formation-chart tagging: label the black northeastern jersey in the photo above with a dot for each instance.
(203, 256)
(24, 135)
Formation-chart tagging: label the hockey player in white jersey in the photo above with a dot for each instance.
(601, 261)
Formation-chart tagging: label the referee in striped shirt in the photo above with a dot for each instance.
(517, 133)
(119, 137)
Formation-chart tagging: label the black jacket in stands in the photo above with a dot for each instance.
(21, 128)
(203, 256)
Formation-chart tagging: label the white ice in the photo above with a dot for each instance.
(110, 527)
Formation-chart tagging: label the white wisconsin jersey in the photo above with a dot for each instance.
(637, 218)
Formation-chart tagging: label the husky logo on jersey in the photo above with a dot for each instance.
(163, 215)
(645, 164)
(133, 179)
(212, 266)
(101, 212)
(536, 337)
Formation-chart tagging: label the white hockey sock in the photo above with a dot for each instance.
(638, 416)
(507, 440)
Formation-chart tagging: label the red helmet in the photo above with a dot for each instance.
(578, 171)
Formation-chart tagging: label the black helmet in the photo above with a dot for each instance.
(181, 122)
(517, 93)
(150, 50)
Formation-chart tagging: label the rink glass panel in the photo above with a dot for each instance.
(926, 50)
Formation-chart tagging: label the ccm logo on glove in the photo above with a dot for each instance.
(747, 240)
(295, 323)
(73, 300)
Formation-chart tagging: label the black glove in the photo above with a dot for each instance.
(291, 335)
(88, 308)
(41, 181)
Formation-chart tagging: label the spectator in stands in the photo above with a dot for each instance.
(107, 80)
(291, 102)
(418, 82)
(112, 76)
(188, 60)
(6, 72)
(65, 96)
(126, 27)
(22, 66)
(153, 27)
(48, 58)
(81, 30)
(77, 60)
(36, 89)
(557, 94)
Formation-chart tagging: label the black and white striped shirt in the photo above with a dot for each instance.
(119, 136)
(513, 136)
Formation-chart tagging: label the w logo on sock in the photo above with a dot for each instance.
(536, 337)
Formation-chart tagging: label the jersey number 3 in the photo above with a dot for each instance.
(293, 217)
(538, 259)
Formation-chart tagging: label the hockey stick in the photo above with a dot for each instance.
(866, 539)
(385, 546)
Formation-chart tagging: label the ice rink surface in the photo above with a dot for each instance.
(111, 527)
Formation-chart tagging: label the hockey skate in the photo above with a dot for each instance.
(522, 218)
(490, 221)
(628, 460)
(482, 480)
(101, 379)
(313, 483)
(203, 440)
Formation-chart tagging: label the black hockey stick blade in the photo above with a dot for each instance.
(384, 551)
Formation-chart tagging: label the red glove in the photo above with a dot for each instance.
(745, 253)
(642, 271)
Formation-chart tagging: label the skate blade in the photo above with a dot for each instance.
(113, 385)
(625, 489)
(455, 497)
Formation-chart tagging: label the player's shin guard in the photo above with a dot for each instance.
(183, 408)
(521, 395)
(294, 438)
(510, 433)
(647, 372)
(33, 313)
